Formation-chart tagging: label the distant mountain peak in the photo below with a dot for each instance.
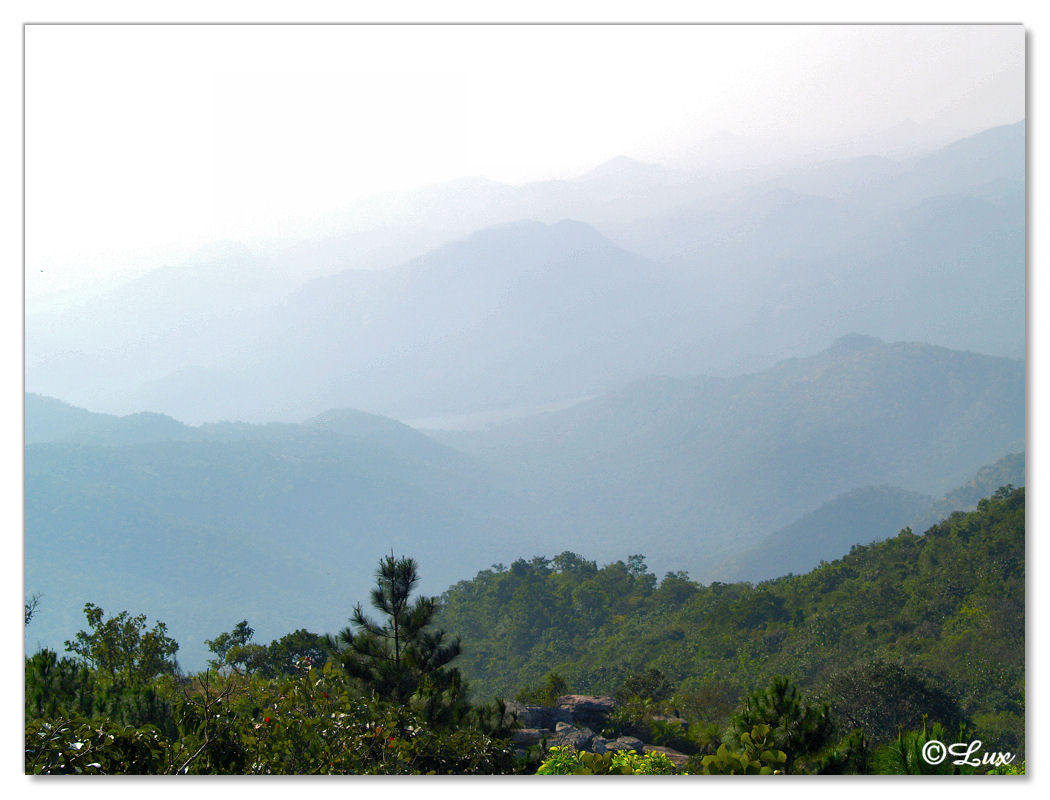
(627, 168)
(354, 421)
(567, 225)
(49, 419)
(993, 135)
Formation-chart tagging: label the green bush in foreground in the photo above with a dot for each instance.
(756, 756)
(906, 755)
(311, 723)
(567, 761)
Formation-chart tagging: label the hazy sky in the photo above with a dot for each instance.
(152, 138)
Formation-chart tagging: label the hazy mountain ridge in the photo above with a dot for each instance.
(1007, 471)
(701, 467)
(690, 471)
(479, 297)
(187, 523)
(901, 253)
(860, 517)
(744, 269)
(530, 313)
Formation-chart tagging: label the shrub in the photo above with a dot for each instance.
(567, 761)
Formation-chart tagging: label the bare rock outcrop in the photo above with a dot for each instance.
(586, 709)
(569, 724)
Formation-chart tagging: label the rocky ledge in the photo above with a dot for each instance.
(568, 724)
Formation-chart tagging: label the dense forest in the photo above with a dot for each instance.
(949, 603)
(850, 668)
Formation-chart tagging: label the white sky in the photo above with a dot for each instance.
(152, 137)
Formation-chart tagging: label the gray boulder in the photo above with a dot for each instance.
(537, 716)
(626, 743)
(576, 738)
(586, 709)
(527, 737)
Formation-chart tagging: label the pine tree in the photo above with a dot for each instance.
(399, 658)
(800, 729)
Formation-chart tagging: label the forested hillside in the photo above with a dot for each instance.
(847, 669)
(947, 604)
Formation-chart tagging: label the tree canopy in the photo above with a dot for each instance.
(400, 657)
(121, 646)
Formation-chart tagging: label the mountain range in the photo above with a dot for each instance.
(860, 517)
(737, 375)
(476, 296)
(690, 471)
(283, 523)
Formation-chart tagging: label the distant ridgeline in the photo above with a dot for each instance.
(695, 471)
(859, 517)
(728, 478)
(478, 296)
(948, 604)
(281, 524)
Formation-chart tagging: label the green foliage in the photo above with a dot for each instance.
(69, 688)
(234, 650)
(525, 620)
(905, 756)
(283, 709)
(647, 764)
(709, 698)
(948, 604)
(791, 725)
(315, 722)
(311, 723)
(850, 756)
(568, 761)
(651, 684)
(1004, 729)
(57, 687)
(300, 646)
(122, 646)
(1008, 769)
(880, 696)
(547, 694)
(805, 733)
(77, 746)
(401, 659)
(756, 756)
